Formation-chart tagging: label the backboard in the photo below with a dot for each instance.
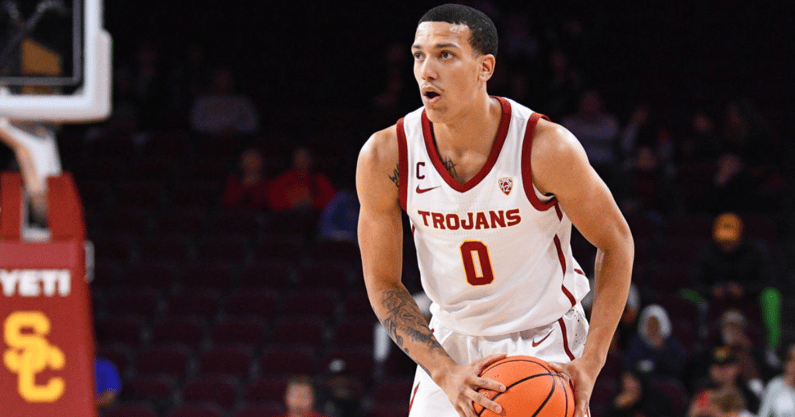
(55, 61)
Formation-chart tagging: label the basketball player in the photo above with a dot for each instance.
(492, 190)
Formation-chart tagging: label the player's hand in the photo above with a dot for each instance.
(582, 373)
(461, 384)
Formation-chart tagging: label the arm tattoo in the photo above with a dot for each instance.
(449, 165)
(395, 177)
(403, 317)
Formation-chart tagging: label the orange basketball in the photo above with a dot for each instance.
(533, 389)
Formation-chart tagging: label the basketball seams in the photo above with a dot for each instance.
(523, 364)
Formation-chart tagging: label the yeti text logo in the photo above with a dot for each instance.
(30, 353)
(35, 282)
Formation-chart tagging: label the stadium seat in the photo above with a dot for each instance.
(130, 410)
(153, 275)
(310, 302)
(392, 390)
(187, 330)
(216, 276)
(242, 222)
(286, 247)
(156, 388)
(197, 410)
(201, 302)
(115, 247)
(128, 330)
(267, 389)
(142, 302)
(358, 359)
(269, 409)
(139, 194)
(226, 248)
(388, 410)
(343, 251)
(257, 302)
(299, 330)
(181, 221)
(286, 360)
(674, 390)
(119, 353)
(170, 359)
(238, 330)
(218, 389)
(325, 275)
(226, 360)
(165, 247)
(194, 195)
(276, 274)
(356, 330)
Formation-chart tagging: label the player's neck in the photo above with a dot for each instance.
(474, 129)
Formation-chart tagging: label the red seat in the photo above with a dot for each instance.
(142, 302)
(227, 360)
(140, 194)
(242, 222)
(276, 274)
(213, 275)
(287, 247)
(218, 389)
(187, 330)
(158, 388)
(222, 248)
(127, 330)
(288, 360)
(318, 303)
(266, 389)
(343, 251)
(115, 247)
(201, 302)
(355, 331)
(171, 359)
(165, 247)
(154, 275)
(325, 274)
(388, 410)
(120, 354)
(195, 195)
(181, 221)
(197, 410)
(130, 410)
(392, 390)
(256, 302)
(299, 330)
(239, 330)
(269, 409)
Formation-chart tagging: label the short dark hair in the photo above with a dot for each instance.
(484, 34)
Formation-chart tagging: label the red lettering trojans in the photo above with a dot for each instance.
(478, 221)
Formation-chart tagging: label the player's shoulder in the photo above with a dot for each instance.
(381, 148)
(553, 139)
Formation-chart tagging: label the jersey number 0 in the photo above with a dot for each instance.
(477, 263)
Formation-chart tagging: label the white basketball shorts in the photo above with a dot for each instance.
(561, 341)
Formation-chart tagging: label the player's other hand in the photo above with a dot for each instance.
(461, 384)
(582, 375)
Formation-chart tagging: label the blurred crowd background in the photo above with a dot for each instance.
(220, 196)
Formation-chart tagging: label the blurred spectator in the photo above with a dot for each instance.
(733, 330)
(778, 399)
(190, 76)
(729, 402)
(339, 219)
(731, 271)
(248, 188)
(702, 144)
(598, 132)
(519, 44)
(301, 188)
(724, 371)
(747, 134)
(342, 392)
(635, 399)
(107, 382)
(299, 398)
(222, 111)
(654, 349)
(733, 188)
(561, 86)
(149, 85)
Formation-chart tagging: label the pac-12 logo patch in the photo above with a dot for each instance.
(506, 183)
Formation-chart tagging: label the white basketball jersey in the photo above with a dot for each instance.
(494, 253)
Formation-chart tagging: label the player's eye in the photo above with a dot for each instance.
(446, 54)
(417, 55)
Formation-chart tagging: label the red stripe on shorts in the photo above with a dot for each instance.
(565, 338)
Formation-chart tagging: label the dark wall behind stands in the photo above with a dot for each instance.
(298, 56)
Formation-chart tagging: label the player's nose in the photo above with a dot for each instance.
(427, 70)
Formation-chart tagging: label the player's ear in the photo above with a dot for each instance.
(487, 63)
